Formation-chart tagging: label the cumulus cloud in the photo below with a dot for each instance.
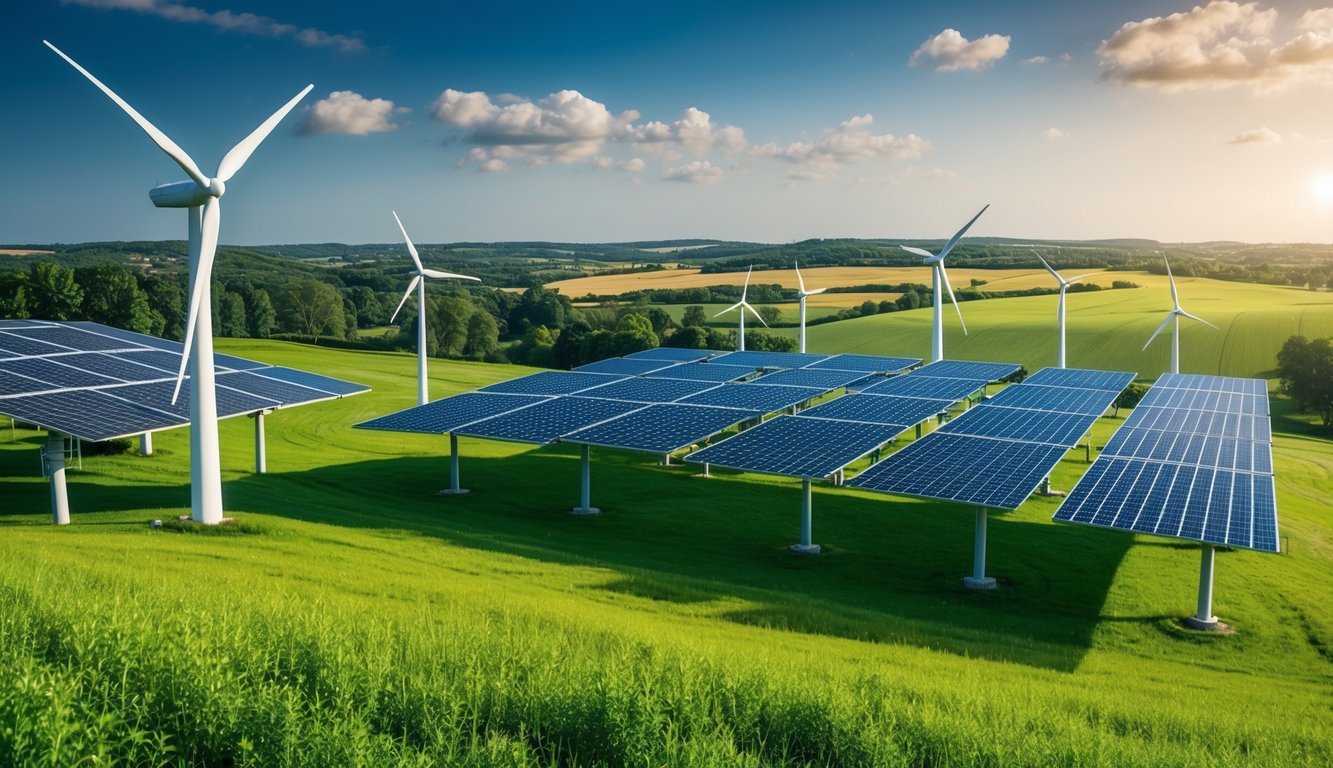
(694, 131)
(351, 113)
(949, 51)
(1036, 60)
(1221, 44)
(231, 21)
(849, 141)
(566, 126)
(1259, 136)
(697, 172)
(1054, 134)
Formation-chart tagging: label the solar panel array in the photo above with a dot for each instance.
(661, 428)
(867, 363)
(1193, 461)
(823, 378)
(757, 359)
(446, 415)
(715, 372)
(625, 366)
(798, 446)
(998, 452)
(552, 383)
(95, 382)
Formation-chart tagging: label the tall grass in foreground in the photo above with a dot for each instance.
(100, 672)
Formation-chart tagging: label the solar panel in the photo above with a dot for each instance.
(648, 390)
(122, 366)
(157, 395)
(310, 380)
(625, 366)
(87, 413)
(931, 388)
(72, 338)
(1235, 425)
(714, 372)
(661, 428)
(763, 398)
(17, 345)
(134, 339)
(448, 414)
(674, 354)
(1196, 450)
(547, 421)
(1021, 424)
(811, 377)
(965, 369)
(797, 446)
(975, 470)
(867, 363)
(1205, 400)
(551, 383)
(756, 359)
(1092, 402)
(902, 412)
(1212, 383)
(57, 376)
(1080, 378)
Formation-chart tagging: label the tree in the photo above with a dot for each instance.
(771, 314)
(661, 320)
(369, 310)
(689, 337)
(634, 333)
(14, 295)
(1306, 368)
(449, 324)
(1130, 397)
(483, 336)
(311, 307)
(694, 316)
(568, 349)
(868, 308)
(52, 292)
(539, 306)
(166, 296)
(909, 300)
(112, 296)
(597, 345)
(537, 347)
(769, 342)
(260, 318)
(230, 315)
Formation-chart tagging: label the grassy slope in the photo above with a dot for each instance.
(357, 617)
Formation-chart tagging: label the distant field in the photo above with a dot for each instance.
(821, 277)
(675, 248)
(20, 252)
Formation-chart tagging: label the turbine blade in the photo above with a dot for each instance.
(412, 286)
(1073, 280)
(922, 252)
(203, 273)
(944, 278)
(1169, 317)
(756, 314)
(1200, 319)
(411, 249)
(435, 273)
(799, 281)
(233, 160)
(728, 309)
(1175, 299)
(816, 292)
(1054, 274)
(159, 138)
(959, 234)
(746, 289)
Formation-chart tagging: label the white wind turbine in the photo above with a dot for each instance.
(743, 305)
(419, 283)
(802, 294)
(1060, 308)
(199, 195)
(1174, 315)
(941, 279)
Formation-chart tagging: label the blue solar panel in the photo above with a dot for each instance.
(551, 383)
(675, 354)
(450, 413)
(234, 363)
(1198, 450)
(14, 384)
(160, 359)
(625, 366)
(1212, 383)
(86, 413)
(796, 446)
(975, 470)
(1092, 402)
(21, 345)
(965, 369)
(756, 359)
(952, 390)
(157, 395)
(548, 421)
(1080, 378)
(761, 398)
(121, 366)
(1021, 424)
(867, 363)
(72, 338)
(1202, 400)
(120, 334)
(661, 428)
(312, 380)
(811, 377)
(279, 391)
(897, 411)
(1234, 509)
(1235, 425)
(713, 372)
(57, 375)
(648, 390)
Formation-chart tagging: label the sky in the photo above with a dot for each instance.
(769, 121)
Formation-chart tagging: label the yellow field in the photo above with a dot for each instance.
(827, 277)
(20, 252)
(844, 300)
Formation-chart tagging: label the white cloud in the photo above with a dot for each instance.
(1260, 136)
(1218, 45)
(1054, 134)
(607, 163)
(694, 131)
(231, 21)
(566, 126)
(1036, 60)
(351, 113)
(850, 141)
(697, 172)
(949, 51)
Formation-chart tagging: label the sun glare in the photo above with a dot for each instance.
(1322, 188)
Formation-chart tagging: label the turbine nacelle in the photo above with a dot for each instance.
(185, 194)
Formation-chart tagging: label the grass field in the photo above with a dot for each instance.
(353, 617)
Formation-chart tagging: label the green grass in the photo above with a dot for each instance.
(354, 617)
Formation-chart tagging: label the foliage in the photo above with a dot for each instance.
(53, 293)
(311, 307)
(1130, 397)
(1306, 369)
(694, 315)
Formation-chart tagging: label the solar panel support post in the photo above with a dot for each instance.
(261, 453)
(806, 547)
(586, 507)
(1203, 617)
(205, 461)
(454, 488)
(979, 579)
(53, 465)
(146, 444)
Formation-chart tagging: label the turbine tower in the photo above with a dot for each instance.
(802, 294)
(199, 195)
(419, 283)
(1060, 308)
(1174, 316)
(743, 305)
(941, 280)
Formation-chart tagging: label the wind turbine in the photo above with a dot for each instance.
(1060, 308)
(199, 196)
(941, 279)
(1174, 315)
(802, 294)
(419, 283)
(743, 305)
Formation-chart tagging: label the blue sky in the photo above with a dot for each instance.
(768, 121)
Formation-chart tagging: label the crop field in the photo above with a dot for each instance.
(351, 616)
